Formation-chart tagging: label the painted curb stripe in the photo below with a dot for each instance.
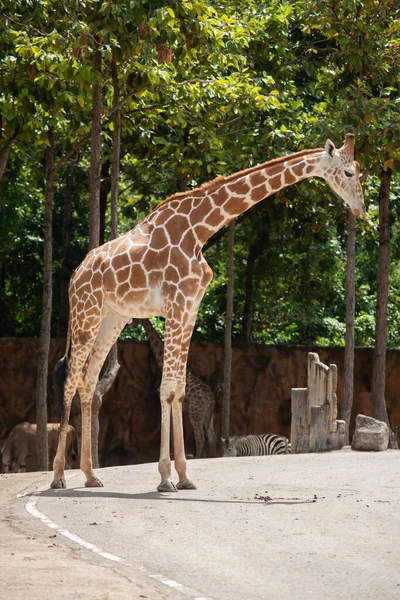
(31, 507)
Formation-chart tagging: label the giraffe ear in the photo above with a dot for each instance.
(329, 147)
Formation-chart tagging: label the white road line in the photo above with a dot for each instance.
(32, 509)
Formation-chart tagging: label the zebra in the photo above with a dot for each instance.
(256, 445)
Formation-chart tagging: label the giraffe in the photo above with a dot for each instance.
(158, 269)
(199, 399)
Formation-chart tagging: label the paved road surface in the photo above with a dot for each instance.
(323, 526)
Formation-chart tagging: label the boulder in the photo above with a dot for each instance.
(370, 434)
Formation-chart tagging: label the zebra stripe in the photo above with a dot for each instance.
(256, 445)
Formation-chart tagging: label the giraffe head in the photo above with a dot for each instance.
(342, 173)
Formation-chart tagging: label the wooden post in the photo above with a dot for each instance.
(348, 375)
(228, 336)
(315, 427)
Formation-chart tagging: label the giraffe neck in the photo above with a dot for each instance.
(217, 203)
(156, 343)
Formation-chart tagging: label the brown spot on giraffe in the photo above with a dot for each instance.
(189, 286)
(200, 210)
(214, 218)
(172, 274)
(203, 232)
(257, 179)
(177, 257)
(298, 169)
(239, 188)
(97, 280)
(289, 178)
(188, 242)
(109, 279)
(160, 239)
(138, 276)
(220, 196)
(124, 288)
(155, 260)
(274, 170)
(120, 261)
(123, 274)
(178, 225)
(83, 337)
(235, 206)
(165, 213)
(275, 183)
(120, 249)
(260, 193)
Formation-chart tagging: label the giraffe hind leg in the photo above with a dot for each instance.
(77, 363)
(110, 329)
(178, 366)
(185, 483)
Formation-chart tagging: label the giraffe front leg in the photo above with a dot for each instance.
(59, 459)
(110, 329)
(86, 447)
(167, 392)
(179, 449)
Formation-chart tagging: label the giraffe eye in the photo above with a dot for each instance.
(348, 174)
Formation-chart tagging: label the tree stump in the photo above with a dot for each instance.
(315, 427)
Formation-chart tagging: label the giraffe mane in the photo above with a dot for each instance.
(215, 183)
(207, 185)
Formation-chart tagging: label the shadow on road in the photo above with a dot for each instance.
(79, 492)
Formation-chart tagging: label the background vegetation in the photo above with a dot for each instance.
(206, 88)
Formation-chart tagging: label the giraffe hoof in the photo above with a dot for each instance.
(186, 485)
(58, 483)
(94, 482)
(167, 486)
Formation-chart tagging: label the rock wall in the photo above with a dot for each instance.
(262, 378)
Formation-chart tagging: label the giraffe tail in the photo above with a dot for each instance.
(61, 373)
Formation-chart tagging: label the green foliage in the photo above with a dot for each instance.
(206, 89)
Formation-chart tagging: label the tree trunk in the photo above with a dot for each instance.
(94, 195)
(105, 187)
(249, 297)
(348, 376)
(45, 331)
(255, 251)
(116, 149)
(107, 379)
(378, 404)
(102, 387)
(94, 218)
(5, 147)
(66, 268)
(228, 335)
(4, 152)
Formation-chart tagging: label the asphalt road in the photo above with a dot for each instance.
(305, 526)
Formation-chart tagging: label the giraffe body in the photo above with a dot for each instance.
(158, 268)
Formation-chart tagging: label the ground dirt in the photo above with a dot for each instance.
(34, 566)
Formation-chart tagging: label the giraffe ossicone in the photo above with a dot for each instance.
(158, 269)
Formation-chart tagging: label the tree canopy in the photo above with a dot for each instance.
(206, 89)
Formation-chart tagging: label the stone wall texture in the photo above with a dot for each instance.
(262, 379)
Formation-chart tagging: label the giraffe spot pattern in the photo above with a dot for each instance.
(158, 268)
